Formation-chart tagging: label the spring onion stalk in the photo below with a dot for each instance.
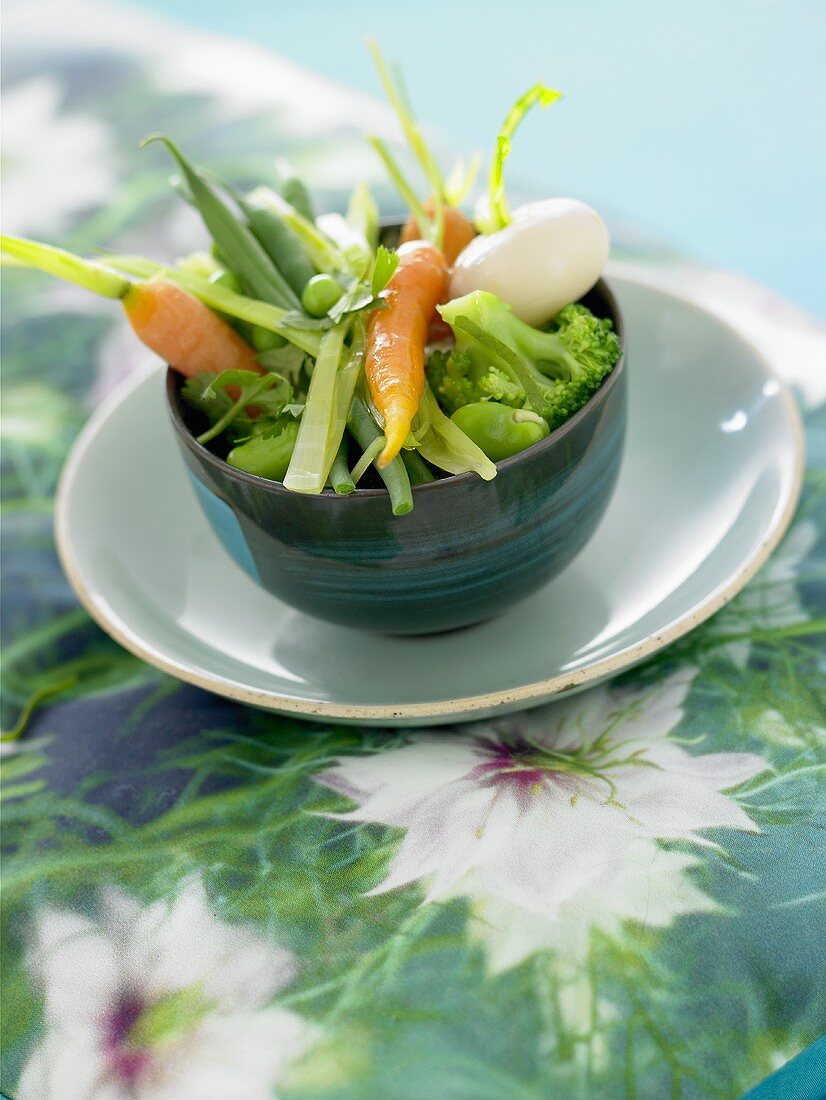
(363, 428)
(309, 464)
(396, 92)
(445, 445)
(348, 375)
(321, 251)
(340, 478)
(363, 214)
(367, 459)
(90, 274)
(222, 299)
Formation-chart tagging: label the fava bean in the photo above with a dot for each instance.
(499, 430)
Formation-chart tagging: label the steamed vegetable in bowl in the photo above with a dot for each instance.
(313, 355)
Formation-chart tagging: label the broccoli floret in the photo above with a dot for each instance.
(591, 340)
(557, 371)
(456, 382)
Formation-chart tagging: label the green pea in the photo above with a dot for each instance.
(263, 339)
(320, 294)
(499, 430)
(266, 457)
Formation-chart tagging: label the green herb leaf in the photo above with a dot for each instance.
(268, 392)
(302, 322)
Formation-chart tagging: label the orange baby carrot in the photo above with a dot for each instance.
(396, 338)
(183, 331)
(457, 235)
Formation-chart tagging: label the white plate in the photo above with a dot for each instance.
(708, 485)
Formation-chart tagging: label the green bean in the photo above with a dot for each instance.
(235, 241)
(340, 472)
(367, 459)
(281, 244)
(365, 431)
(417, 469)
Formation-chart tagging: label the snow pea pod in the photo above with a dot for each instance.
(499, 430)
(295, 192)
(237, 246)
(281, 245)
(266, 456)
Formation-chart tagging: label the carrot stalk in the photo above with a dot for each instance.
(396, 338)
(89, 274)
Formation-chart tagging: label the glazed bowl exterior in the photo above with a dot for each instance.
(468, 550)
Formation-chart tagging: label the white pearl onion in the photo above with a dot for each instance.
(550, 255)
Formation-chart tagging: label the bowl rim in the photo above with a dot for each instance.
(173, 402)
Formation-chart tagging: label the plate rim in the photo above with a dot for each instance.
(528, 694)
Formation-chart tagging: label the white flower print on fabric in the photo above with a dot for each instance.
(772, 599)
(159, 1003)
(561, 803)
(644, 883)
(55, 164)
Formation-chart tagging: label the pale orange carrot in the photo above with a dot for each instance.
(458, 231)
(183, 331)
(396, 338)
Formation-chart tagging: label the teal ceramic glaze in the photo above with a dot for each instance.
(468, 550)
(708, 483)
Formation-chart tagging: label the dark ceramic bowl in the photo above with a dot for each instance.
(469, 549)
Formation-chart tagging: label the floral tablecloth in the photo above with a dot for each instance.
(618, 895)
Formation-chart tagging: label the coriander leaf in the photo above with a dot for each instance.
(286, 360)
(296, 319)
(269, 392)
(383, 269)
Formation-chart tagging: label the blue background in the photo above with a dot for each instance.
(703, 122)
